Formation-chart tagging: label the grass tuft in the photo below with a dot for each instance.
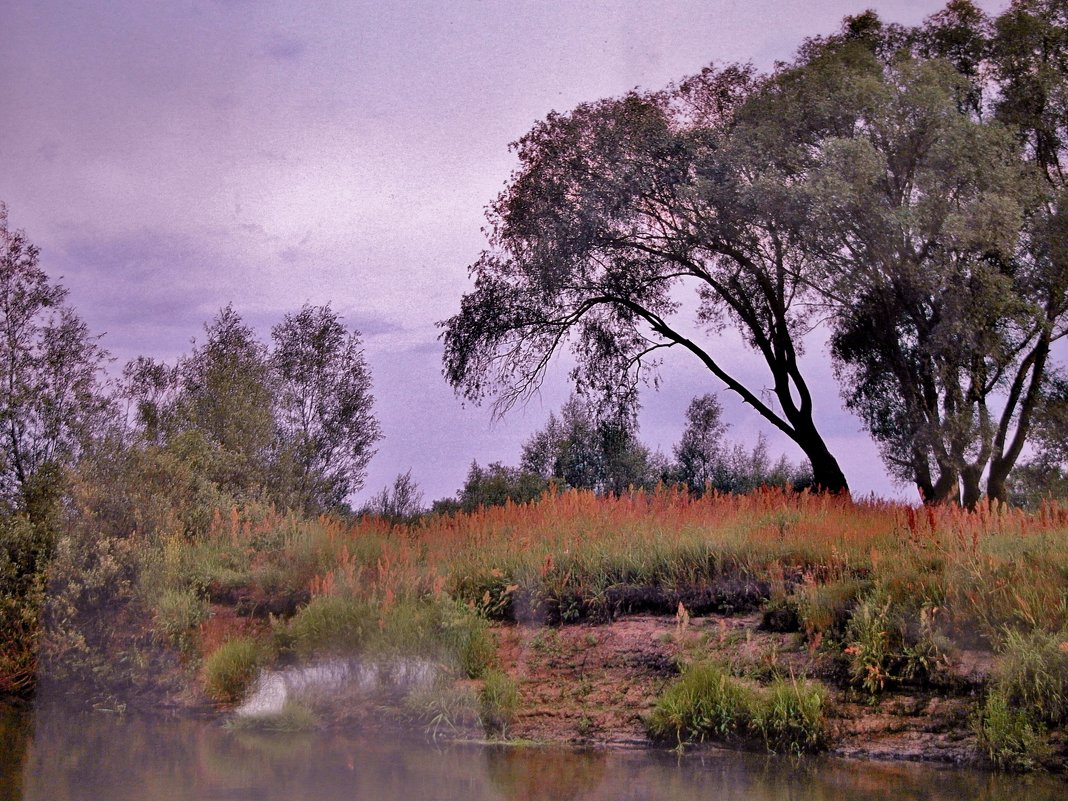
(230, 670)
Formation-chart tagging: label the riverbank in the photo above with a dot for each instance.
(774, 621)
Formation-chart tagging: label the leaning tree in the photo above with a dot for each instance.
(643, 223)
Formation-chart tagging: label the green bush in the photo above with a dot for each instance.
(332, 623)
(498, 702)
(178, 612)
(1012, 739)
(230, 670)
(825, 608)
(294, 716)
(703, 702)
(789, 717)
(872, 637)
(1032, 674)
(467, 635)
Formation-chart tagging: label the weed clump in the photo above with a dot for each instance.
(498, 702)
(707, 703)
(704, 702)
(230, 670)
(1011, 738)
(790, 717)
(1032, 674)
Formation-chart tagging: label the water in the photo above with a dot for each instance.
(54, 755)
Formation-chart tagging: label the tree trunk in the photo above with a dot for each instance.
(945, 490)
(826, 474)
(970, 478)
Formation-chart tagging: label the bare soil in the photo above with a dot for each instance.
(594, 684)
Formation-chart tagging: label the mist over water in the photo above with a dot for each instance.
(54, 755)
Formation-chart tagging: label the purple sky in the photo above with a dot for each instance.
(170, 157)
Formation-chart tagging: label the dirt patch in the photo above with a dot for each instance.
(594, 684)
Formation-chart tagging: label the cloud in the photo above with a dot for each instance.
(281, 47)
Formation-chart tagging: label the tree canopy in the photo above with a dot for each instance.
(885, 185)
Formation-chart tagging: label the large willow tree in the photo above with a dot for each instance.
(877, 185)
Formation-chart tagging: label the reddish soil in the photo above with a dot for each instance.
(594, 684)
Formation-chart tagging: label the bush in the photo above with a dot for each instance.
(1032, 674)
(467, 635)
(498, 701)
(24, 553)
(704, 702)
(178, 611)
(790, 717)
(333, 623)
(230, 670)
(871, 635)
(825, 608)
(1011, 738)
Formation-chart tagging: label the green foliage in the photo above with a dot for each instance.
(826, 608)
(584, 449)
(344, 625)
(468, 637)
(872, 637)
(445, 706)
(1011, 738)
(178, 613)
(333, 623)
(704, 702)
(293, 424)
(230, 670)
(24, 553)
(293, 717)
(326, 429)
(497, 484)
(1032, 674)
(498, 702)
(789, 716)
(398, 504)
(703, 461)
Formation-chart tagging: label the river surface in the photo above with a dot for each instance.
(54, 755)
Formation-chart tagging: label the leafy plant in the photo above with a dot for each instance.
(1011, 738)
(704, 702)
(230, 670)
(498, 702)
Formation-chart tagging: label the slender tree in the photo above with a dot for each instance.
(327, 429)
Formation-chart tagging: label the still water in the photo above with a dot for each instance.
(58, 756)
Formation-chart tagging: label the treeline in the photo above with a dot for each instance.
(91, 466)
(902, 189)
(579, 451)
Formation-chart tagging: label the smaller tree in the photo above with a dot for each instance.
(327, 429)
(51, 391)
(580, 450)
(703, 460)
(497, 484)
(402, 502)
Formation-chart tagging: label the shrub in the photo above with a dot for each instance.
(294, 716)
(467, 635)
(871, 635)
(825, 608)
(703, 702)
(230, 670)
(789, 717)
(1011, 738)
(1032, 674)
(178, 611)
(498, 701)
(331, 622)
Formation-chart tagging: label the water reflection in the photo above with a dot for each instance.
(95, 757)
